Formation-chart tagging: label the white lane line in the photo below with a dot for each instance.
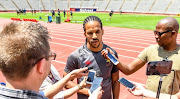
(112, 36)
(126, 56)
(103, 41)
(105, 38)
(111, 47)
(118, 56)
(63, 44)
(114, 48)
(59, 61)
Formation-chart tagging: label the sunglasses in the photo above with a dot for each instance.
(161, 33)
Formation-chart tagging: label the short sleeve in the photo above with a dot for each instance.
(143, 55)
(72, 63)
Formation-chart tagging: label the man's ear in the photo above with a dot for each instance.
(172, 33)
(40, 66)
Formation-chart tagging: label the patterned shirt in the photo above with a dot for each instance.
(7, 93)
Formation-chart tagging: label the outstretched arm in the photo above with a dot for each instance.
(125, 68)
(141, 91)
(57, 87)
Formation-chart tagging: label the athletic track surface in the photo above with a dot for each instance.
(67, 37)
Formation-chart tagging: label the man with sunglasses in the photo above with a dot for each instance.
(165, 35)
(25, 61)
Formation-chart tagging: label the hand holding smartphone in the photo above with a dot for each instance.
(91, 77)
(127, 83)
(112, 58)
(96, 83)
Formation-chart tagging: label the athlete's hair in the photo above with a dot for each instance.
(91, 18)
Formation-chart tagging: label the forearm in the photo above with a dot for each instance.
(70, 92)
(57, 87)
(132, 67)
(116, 89)
(124, 68)
(72, 84)
(115, 85)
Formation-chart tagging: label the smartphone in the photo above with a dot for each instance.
(91, 77)
(112, 58)
(96, 83)
(158, 67)
(127, 83)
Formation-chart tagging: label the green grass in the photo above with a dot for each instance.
(137, 21)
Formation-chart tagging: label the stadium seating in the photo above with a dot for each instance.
(174, 8)
(101, 4)
(142, 6)
(36, 4)
(75, 3)
(160, 6)
(114, 5)
(22, 4)
(62, 4)
(49, 4)
(8, 4)
(88, 4)
(129, 5)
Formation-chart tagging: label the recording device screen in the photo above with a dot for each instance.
(126, 83)
(96, 83)
(158, 67)
(90, 77)
(113, 59)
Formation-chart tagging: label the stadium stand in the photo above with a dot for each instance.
(35, 4)
(174, 8)
(140, 6)
(75, 3)
(144, 6)
(114, 5)
(101, 4)
(87, 3)
(22, 4)
(129, 5)
(2, 7)
(62, 4)
(49, 4)
(8, 4)
(160, 6)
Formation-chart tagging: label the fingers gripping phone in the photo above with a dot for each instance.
(96, 83)
(127, 83)
(91, 77)
(112, 58)
(158, 67)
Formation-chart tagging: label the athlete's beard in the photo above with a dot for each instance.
(92, 44)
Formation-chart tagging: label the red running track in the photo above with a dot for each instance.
(67, 37)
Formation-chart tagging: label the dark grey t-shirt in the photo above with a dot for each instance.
(83, 57)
